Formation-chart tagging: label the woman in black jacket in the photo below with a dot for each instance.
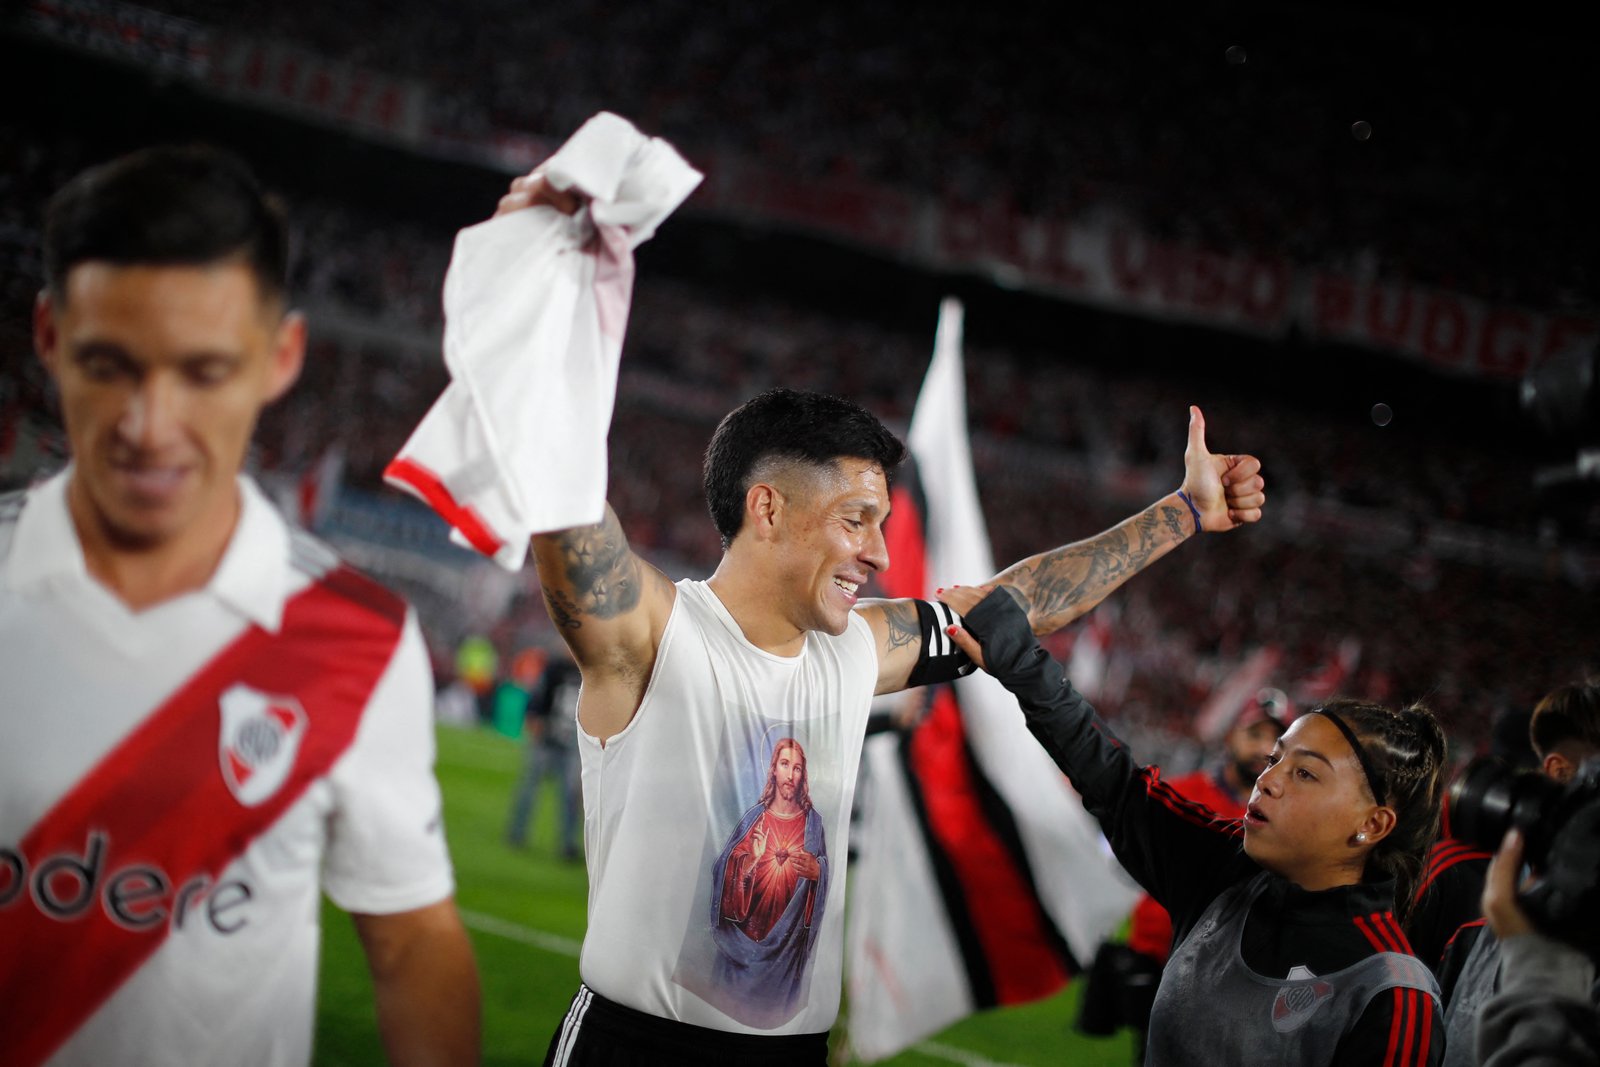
(1286, 947)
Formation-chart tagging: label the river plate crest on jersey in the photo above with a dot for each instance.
(260, 737)
(1298, 1000)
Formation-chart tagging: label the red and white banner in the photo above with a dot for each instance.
(276, 74)
(1110, 262)
(124, 31)
(1099, 259)
(980, 880)
(1452, 332)
(859, 212)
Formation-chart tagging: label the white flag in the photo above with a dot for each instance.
(980, 879)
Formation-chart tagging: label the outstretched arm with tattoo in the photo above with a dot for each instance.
(1218, 493)
(1222, 492)
(611, 608)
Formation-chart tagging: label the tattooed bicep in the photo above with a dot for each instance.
(900, 620)
(598, 575)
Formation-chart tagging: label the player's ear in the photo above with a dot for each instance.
(46, 337)
(764, 506)
(288, 355)
(1378, 824)
(1558, 768)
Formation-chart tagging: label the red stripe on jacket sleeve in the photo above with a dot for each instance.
(1464, 926)
(1445, 855)
(1394, 1030)
(1425, 1041)
(1411, 1024)
(1373, 937)
(1401, 942)
(1184, 808)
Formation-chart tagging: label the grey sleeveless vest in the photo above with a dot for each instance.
(1479, 980)
(1211, 1009)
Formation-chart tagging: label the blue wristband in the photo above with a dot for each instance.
(1192, 510)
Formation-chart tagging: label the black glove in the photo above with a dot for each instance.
(1058, 716)
(1013, 655)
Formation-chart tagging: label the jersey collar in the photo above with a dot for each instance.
(251, 579)
(253, 576)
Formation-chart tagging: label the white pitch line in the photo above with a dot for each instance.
(565, 946)
(490, 924)
(957, 1055)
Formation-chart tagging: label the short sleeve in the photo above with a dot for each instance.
(386, 846)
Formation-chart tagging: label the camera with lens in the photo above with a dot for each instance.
(1560, 826)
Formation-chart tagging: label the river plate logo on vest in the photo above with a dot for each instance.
(261, 734)
(1298, 1000)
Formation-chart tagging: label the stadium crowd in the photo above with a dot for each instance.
(1243, 142)
(1348, 560)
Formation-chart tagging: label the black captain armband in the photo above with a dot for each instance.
(940, 660)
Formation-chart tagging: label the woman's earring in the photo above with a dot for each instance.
(1361, 838)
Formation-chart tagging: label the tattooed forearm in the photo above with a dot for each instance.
(901, 617)
(1173, 517)
(603, 573)
(1057, 587)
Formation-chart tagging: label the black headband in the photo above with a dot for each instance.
(1373, 779)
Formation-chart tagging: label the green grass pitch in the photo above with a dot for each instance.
(525, 912)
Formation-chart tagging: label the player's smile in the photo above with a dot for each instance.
(843, 525)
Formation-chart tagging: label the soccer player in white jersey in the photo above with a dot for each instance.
(207, 720)
(690, 689)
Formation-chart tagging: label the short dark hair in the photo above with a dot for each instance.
(1570, 713)
(167, 206)
(788, 424)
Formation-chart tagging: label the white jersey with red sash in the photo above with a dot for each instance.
(179, 785)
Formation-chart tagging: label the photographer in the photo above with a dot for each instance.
(1451, 896)
(1565, 731)
(1545, 1010)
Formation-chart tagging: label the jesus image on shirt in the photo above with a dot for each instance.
(771, 882)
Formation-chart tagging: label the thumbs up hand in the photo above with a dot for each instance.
(1227, 491)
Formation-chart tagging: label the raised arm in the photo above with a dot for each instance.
(1058, 586)
(611, 608)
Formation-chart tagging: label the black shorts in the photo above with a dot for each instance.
(602, 1033)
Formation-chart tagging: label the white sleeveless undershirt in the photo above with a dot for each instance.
(667, 800)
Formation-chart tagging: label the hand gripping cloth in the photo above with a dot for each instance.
(536, 304)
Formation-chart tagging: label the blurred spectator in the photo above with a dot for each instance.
(551, 753)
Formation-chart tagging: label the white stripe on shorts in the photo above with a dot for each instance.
(569, 1028)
